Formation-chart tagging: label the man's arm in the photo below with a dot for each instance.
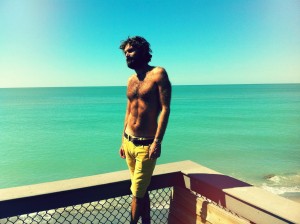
(164, 90)
(121, 151)
(126, 115)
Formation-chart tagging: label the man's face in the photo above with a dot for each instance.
(134, 58)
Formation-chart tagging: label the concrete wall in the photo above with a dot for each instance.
(250, 203)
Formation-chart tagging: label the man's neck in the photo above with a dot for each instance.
(142, 71)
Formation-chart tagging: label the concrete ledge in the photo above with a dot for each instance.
(262, 206)
(254, 204)
(45, 196)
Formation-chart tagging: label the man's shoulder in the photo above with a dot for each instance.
(160, 74)
(131, 78)
(159, 70)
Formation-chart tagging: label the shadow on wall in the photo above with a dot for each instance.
(212, 185)
(187, 208)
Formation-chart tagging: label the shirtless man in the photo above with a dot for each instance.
(146, 119)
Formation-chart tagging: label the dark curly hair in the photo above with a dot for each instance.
(139, 43)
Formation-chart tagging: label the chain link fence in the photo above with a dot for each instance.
(113, 210)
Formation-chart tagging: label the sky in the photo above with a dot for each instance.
(50, 43)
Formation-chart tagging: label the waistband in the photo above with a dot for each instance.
(138, 140)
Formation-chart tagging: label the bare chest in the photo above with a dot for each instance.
(144, 90)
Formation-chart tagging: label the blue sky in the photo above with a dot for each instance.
(75, 43)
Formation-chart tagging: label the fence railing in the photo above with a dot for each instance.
(181, 192)
(113, 210)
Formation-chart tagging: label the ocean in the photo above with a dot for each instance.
(250, 132)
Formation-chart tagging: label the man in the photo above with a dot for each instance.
(146, 119)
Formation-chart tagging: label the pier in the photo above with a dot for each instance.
(180, 193)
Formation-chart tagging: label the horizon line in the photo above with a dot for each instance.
(95, 86)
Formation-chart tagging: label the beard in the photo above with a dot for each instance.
(135, 63)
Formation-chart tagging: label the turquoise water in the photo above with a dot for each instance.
(251, 132)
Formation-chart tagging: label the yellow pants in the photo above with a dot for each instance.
(140, 167)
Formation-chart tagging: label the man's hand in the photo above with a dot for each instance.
(122, 152)
(154, 151)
